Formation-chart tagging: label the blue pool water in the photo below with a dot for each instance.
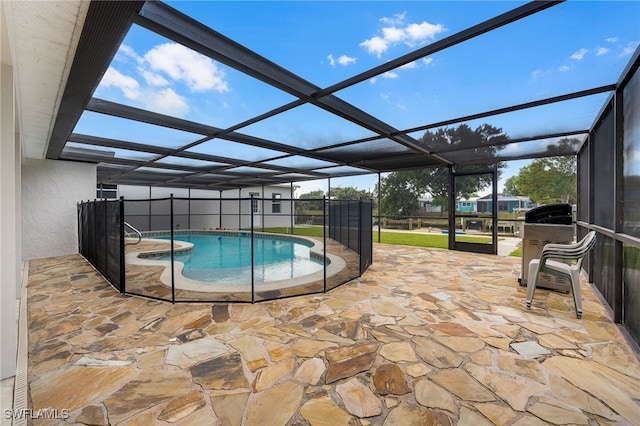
(227, 259)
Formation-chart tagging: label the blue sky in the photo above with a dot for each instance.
(570, 47)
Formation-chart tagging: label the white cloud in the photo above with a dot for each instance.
(537, 74)
(128, 85)
(345, 60)
(512, 148)
(397, 19)
(393, 34)
(180, 63)
(373, 80)
(390, 75)
(153, 78)
(128, 51)
(423, 31)
(611, 39)
(427, 61)
(629, 48)
(396, 32)
(579, 54)
(601, 51)
(167, 101)
(375, 45)
(564, 68)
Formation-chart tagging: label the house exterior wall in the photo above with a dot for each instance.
(466, 206)
(232, 209)
(50, 193)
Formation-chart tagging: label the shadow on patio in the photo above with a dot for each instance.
(425, 336)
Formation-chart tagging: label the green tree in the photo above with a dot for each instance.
(399, 196)
(318, 194)
(349, 193)
(309, 203)
(510, 186)
(549, 180)
(402, 189)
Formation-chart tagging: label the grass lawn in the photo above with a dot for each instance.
(517, 252)
(305, 231)
(424, 240)
(403, 238)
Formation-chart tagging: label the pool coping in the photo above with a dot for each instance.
(334, 264)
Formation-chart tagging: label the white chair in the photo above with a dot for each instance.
(571, 271)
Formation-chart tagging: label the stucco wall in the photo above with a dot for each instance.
(50, 192)
(206, 214)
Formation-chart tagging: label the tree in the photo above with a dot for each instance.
(315, 203)
(549, 180)
(401, 191)
(510, 186)
(399, 196)
(313, 195)
(349, 193)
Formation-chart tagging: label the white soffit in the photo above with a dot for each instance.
(43, 36)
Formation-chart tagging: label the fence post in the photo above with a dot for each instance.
(262, 207)
(123, 279)
(173, 284)
(292, 207)
(379, 206)
(94, 213)
(253, 299)
(106, 240)
(79, 227)
(360, 235)
(324, 240)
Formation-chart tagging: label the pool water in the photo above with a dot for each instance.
(227, 259)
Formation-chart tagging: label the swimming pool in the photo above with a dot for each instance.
(225, 258)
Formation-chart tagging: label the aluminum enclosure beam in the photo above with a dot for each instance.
(170, 23)
(105, 27)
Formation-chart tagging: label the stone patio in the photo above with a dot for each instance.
(425, 337)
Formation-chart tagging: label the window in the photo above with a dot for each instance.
(275, 203)
(107, 191)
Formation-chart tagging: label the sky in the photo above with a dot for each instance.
(570, 47)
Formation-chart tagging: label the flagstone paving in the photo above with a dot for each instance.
(424, 337)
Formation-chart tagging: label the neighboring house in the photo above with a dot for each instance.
(427, 206)
(232, 209)
(467, 205)
(506, 203)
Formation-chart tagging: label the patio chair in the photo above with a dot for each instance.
(574, 253)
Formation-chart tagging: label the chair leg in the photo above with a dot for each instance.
(531, 280)
(577, 296)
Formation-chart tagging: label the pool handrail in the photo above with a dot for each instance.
(127, 234)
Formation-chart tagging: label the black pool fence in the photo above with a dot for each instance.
(134, 243)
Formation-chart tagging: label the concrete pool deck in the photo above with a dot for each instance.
(425, 336)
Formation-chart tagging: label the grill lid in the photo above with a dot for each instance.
(550, 213)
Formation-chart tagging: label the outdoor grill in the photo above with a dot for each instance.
(551, 223)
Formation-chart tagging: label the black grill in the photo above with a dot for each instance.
(558, 214)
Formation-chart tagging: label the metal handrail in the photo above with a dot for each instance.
(127, 234)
